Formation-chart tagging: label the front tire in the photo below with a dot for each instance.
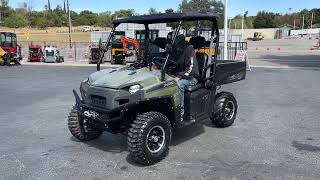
(80, 129)
(225, 111)
(149, 138)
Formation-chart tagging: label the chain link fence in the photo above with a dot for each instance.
(233, 48)
(80, 51)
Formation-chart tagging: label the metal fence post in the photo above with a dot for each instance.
(236, 49)
(75, 51)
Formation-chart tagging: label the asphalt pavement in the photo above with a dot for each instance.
(276, 134)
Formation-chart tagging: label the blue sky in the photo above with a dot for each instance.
(142, 6)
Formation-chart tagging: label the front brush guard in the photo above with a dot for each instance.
(105, 115)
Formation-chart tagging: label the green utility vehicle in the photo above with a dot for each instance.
(143, 101)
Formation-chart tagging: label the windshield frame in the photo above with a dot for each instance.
(214, 38)
(8, 39)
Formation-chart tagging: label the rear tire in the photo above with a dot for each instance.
(149, 138)
(78, 129)
(225, 111)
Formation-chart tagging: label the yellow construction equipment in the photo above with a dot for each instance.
(2, 53)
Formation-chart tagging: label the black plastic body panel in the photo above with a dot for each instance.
(230, 71)
(198, 104)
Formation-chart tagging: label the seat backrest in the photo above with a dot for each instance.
(198, 42)
(202, 59)
(161, 42)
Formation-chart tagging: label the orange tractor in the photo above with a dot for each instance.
(123, 48)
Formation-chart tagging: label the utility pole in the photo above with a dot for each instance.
(49, 5)
(311, 20)
(242, 24)
(64, 6)
(294, 24)
(225, 49)
(70, 23)
(1, 6)
(303, 22)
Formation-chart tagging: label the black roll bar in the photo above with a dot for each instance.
(163, 73)
(103, 50)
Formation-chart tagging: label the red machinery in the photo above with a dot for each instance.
(8, 42)
(125, 47)
(129, 41)
(35, 53)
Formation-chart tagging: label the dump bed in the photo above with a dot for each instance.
(228, 71)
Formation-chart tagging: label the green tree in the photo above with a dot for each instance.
(267, 20)
(104, 19)
(123, 13)
(84, 18)
(4, 3)
(170, 10)
(16, 21)
(153, 11)
(213, 6)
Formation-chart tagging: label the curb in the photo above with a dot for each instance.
(70, 64)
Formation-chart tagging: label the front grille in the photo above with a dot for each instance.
(98, 101)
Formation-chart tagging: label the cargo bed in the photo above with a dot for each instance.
(228, 71)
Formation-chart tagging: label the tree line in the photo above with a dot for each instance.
(58, 16)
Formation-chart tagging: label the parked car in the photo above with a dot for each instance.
(86, 29)
(52, 55)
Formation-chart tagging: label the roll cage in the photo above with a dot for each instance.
(208, 70)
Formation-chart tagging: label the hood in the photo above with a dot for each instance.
(123, 77)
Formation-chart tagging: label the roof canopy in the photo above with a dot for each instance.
(167, 18)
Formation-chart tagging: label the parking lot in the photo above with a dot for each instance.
(284, 53)
(276, 134)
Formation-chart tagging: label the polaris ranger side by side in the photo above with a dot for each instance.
(142, 99)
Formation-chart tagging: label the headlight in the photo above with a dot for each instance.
(134, 89)
(86, 80)
(83, 92)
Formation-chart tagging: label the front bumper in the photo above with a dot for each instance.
(103, 115)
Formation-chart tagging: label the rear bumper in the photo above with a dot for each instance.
(35, 59)
(104, 115)
(50, 60)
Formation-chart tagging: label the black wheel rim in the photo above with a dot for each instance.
(229, 110)
(155, 139)
(87, 127)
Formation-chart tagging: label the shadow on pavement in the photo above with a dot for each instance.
(118, 143)
(186, 133)
(108, 142)
(293, 60)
